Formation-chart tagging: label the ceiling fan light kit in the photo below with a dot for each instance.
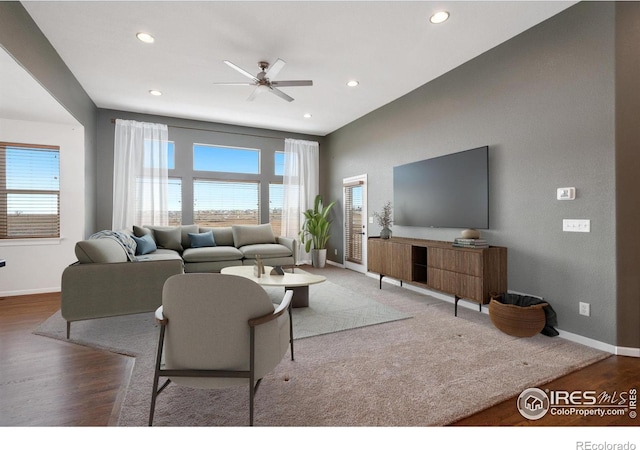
(263, 80)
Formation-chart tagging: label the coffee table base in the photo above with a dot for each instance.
(300, 297)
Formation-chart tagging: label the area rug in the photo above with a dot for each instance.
(428, 370)
(332, 308)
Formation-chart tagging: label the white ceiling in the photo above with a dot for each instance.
(389, 46)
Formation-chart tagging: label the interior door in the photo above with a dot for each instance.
(355, 223)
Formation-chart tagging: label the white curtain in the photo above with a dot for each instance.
(140, 175)
(301, 185)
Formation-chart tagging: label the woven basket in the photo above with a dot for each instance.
(521, 321)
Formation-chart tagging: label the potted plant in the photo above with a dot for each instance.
(315, 231)
(384, 220)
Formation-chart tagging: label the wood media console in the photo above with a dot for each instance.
(466, 273)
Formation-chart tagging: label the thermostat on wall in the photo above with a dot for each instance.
(568, 193)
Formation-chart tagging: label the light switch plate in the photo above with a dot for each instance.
(567, 193)
(576, 225)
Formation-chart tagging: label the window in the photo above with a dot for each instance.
(279, 163)
(29, 191)
(171, 155)
(226, 159)
(225, 203)
(276, 202)
(175, 201)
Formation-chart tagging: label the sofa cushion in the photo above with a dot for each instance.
(169, 233)
(100, 251)
(168, 238)
(265, 251)
(145, 244)
(253, 234)
(211, 254)
(202, 239)
(221, 235)
(123, 238)
(162, 254)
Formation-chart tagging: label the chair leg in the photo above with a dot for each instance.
(156, 375)
(68, 329)
(291, 331)
(252, 372)
(154, 395)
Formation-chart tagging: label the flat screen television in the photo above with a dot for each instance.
(450, 191)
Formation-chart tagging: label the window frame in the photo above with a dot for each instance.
(5, 192)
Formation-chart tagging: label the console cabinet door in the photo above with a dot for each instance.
(376, 255)
(400, 261)
(389, 258)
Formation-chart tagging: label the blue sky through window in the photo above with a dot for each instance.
(34, 170)
(226, 159)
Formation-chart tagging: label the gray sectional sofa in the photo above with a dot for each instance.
(120, 273)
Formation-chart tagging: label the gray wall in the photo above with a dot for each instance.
(185, 133)
(627, 170)
(544, 103)
(21, 37)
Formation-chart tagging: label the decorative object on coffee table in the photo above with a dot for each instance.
(277, 270)
(297, 281)
(384, 220)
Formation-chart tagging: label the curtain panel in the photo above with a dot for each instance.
(300, 187)
(140, 174)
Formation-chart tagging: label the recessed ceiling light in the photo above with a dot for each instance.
(353, 83)
(307, 116)
(439, 17)
(154, 92)
(145, 37)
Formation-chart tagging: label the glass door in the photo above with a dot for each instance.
(355, 214)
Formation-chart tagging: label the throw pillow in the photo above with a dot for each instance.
(202, 239)
(253, 234)
(145, 244)
(142, 231)
(169, 238)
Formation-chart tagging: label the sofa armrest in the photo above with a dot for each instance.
(94, 290)
(291, 244)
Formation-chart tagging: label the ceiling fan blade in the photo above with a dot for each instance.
(257, 91)
(281, 94)
(292, 83)
(275, 68)
(234, 84)
(241, 70)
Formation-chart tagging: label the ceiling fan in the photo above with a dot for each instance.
(263, 80)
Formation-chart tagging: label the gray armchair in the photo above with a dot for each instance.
(218, 331)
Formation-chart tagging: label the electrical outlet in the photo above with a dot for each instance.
(335, 251)
(585, 309)
(576, 225)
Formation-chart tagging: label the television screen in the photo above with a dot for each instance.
(450, 191)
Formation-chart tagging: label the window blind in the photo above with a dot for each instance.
(225, 203)
(353, 224)
(29, 191)
(174, 202)
(276, 202)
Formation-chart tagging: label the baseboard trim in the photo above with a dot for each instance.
(598, 345)
(29, 292)
(333, 263)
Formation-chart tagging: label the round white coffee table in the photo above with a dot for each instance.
(298, 281)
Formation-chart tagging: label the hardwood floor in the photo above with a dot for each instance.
(47, 382)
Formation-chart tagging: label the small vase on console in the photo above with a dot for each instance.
(384, 220)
